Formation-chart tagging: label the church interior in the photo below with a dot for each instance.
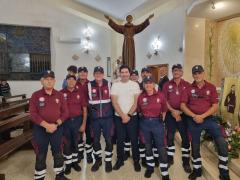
(37, 36)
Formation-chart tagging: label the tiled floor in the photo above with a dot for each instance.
(20, 166)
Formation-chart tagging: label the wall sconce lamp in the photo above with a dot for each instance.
(156, 44)
(86, 43)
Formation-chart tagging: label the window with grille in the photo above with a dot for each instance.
(24, 52)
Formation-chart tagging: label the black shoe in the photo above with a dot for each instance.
(137, 166)
(144, 163)
(76, 167)
(108, 167)
(89, 158)
(187, 168)
(126, 155)
(165, 177)
(195, 174)
(61, 177)
(41, 178)
(170, 161)
(156, 161)
(118, 164)
(148, 173)
(224, 177)
(96, 165)
(67, 170)
(80, 157)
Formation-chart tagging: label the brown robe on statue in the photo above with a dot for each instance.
(128, 30)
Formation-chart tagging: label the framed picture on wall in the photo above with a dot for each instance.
(109, 67)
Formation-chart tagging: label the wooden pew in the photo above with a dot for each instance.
(12, 144)
(13, 110)
(12, 100)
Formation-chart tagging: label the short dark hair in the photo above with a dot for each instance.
(124, 67)
(72, 68)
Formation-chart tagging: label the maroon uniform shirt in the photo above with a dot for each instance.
(200, 100)
(49, 108)
(153, 105)
(173, 92)
(76, 100)
(83, 87)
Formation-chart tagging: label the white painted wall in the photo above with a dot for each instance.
(170, 27)
(168, 23)
(41, 13)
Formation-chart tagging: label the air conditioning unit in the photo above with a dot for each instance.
(70, 40)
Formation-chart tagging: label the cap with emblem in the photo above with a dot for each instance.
(98, 69)
(177, 66)
(48, 73)
(148, 79)
(134, 72)
(71, 76)
(83, 68)
(145, 69)
(197, 68)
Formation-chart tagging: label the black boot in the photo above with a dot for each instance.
(187, 167)
(108, 167)
(137, 166)
(96, 165)
(195, 174)
(118, 164)
(61, 177)
(170, 161)
(156, 161)
(80, 157)
(144, 163)
(41, 178)
(126, 155)
(67, 170)
(76, 167)
(165, 177)
(224, 177)
(148, 173)
(89, 158)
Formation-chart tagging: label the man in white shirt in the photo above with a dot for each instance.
(124, 96)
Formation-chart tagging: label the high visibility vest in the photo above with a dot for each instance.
(100, 104)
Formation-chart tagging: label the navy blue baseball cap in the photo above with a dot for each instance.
(134, 71)
(48, 73)
(83, 68)
(147, 79)
(177, 66)
(145, 69)
(98, 69)
(197, 68)
(71, 76)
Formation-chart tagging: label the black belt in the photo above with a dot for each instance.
(151, 118)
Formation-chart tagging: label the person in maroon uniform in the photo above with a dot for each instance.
(152, 109)
(72, 70)
(76, 122)
(48, 111)
(101, 115)
(81, 84)
(175, 119)
(199, 102)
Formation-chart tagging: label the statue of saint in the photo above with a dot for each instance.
(128, 30)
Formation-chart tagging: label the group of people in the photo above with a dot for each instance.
(138, 115)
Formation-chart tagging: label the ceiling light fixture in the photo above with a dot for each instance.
(217, 5)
